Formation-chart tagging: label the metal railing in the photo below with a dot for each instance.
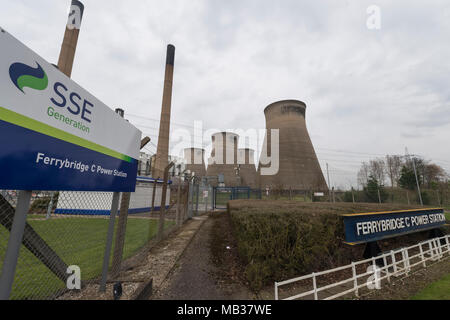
(392, 266)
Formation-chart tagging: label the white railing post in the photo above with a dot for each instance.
(422, 256)
(394, 262)
(315, 286)
(439, 248)
(355, 279)
(430, 245)
(276, 290)
(406, 262)
(387, 268)
(436, 251)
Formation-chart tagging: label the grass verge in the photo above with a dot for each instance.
(438, 290)
(78, 241)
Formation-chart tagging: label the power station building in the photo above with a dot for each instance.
(223, 161)
(246, 168)
(287, 160)
(195, 161)
(298, 166)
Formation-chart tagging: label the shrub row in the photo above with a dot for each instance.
(278, 240)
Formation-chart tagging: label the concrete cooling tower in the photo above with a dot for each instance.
(247, 168)
(223, 161)
(299, 168)
(195, 161)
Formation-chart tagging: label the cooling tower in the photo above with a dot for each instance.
(195, 161)
(299, 168)
(223, 161)
(247, 169)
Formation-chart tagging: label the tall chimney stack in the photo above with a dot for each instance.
(162, 151)
(69, 45)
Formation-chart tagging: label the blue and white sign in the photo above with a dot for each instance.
(54, 135)
(373, 226)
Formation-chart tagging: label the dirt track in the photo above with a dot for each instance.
(196, 276)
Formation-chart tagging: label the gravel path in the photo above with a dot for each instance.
(196, 277)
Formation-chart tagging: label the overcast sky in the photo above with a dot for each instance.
(368, 91)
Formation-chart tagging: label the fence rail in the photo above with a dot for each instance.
(70, 228)
(389, 264)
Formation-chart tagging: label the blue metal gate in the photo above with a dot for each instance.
(224, 194)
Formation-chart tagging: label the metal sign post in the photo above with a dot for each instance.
(109, 238)
(14, 244)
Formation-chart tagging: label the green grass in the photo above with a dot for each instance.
(439, 290)
(447, 216)
(78, 241)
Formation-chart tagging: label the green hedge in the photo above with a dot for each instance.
(278, 240)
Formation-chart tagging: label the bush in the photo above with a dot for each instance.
(278, 240)
(40, 205)
(348, 197)
(425, 198)
(374, 188)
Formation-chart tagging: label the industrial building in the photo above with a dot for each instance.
(195, 161)
(223, 161)
(246, 168)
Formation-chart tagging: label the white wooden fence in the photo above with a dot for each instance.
(393, 265)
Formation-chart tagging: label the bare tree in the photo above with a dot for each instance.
(363, 174)
(433, 173)
(393, 166)
(377, 170)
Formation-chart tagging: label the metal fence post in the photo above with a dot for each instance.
(14, 244)
(190, 198)
(153, 207)
(206, 200)
(197, 187)
(50, 206)
(109, 238)
(178, 214)
(120, 233)
(162, 210)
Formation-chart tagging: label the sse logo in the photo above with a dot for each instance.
(23, 75)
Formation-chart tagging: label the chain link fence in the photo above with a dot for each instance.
(439, 198)
(69, 228)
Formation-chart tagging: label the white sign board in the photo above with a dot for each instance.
(318, 194)
(54, 135)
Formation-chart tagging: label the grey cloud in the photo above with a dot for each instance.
(366, 91)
